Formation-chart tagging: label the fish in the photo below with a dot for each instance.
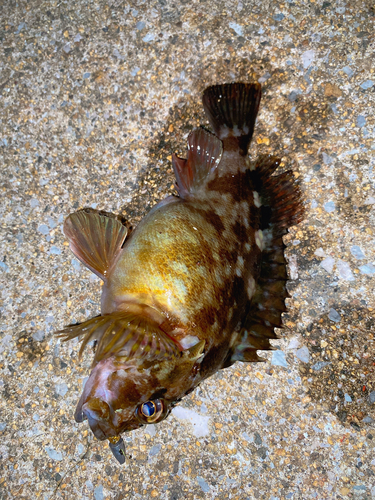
(198, 285)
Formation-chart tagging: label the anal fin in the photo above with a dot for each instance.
(204, 154)
(95, 238)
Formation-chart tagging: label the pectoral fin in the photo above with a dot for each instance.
(95, 238)
(123, 334)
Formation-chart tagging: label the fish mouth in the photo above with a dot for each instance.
(100, 416)
(103, 420)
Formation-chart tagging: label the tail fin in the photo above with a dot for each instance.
(232, 110)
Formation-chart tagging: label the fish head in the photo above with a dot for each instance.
(123, 395)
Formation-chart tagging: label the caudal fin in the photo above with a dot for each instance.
(232, 110)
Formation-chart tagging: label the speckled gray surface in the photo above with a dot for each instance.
(95, 97)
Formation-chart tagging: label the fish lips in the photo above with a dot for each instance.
(103, 420)
(98, 403)
(94, 405)
(100, 417)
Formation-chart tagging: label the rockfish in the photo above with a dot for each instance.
(198, 285)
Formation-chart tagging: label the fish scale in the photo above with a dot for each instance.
(198, 285)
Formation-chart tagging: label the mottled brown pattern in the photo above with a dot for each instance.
(208, 315)
(188, 274)
(238, 186)
(127, 387)
(240, 231)
(211, 217)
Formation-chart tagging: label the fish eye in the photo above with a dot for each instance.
(151, 411)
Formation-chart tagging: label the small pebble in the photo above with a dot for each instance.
(202, 483)
(334, 315)
(328, 264)
(307, 58)
(367, 269)
(154, 450)
(278, 359)
(303, 354)
(368, 84)
(98, 493)
(344, 270)
(356, 251)
(329, 206)
(54, 454)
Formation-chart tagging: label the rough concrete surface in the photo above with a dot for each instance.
(95, 97)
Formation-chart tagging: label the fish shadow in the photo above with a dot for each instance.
(156, 180)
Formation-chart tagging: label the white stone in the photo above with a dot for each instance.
(328, 264)
(307, 58)
(198, 422)
(344, 270)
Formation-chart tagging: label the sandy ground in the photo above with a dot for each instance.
(95, 97)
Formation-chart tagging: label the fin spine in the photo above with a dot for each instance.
(125, 335)
(204, 154)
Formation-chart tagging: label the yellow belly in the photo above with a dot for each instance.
(172, 261)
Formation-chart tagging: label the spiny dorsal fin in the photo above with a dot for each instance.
(95, 238)
(266, 306)
(123, 334)
(204, 154)
(282, 200)
(232, 110)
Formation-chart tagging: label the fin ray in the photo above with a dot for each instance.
(204, 154)
(282, 201)
(232, 110)
(281, 207)
(95, 238)
(126, 335)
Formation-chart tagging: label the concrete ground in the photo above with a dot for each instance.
(95, 97)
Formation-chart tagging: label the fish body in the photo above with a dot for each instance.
(198, 285)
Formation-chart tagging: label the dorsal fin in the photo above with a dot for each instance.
(95, 238)
(281, 195)
(281, 207)
(124, 334)
(204, 154)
